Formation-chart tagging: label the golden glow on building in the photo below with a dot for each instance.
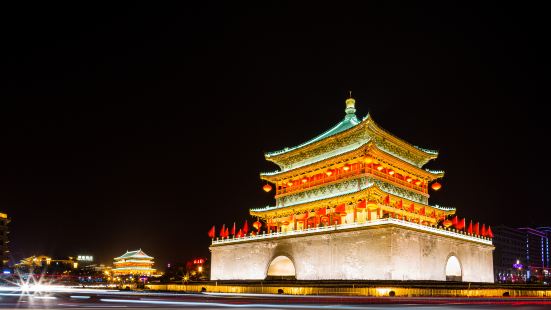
(133, 263)
(354, 162)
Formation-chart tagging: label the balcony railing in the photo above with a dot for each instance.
(350, 226)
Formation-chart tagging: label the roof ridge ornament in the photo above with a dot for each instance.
(350, 104)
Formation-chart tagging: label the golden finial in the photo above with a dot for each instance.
(350, 104)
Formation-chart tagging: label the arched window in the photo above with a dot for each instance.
(453, 269)
(281, 267)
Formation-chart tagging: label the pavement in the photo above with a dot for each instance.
(63, 298)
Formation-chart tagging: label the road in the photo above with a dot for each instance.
(63, 298)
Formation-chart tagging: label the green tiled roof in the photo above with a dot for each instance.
(349, 121)
(134, 254)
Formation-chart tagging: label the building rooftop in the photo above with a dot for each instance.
(349, 121)
(134, 254)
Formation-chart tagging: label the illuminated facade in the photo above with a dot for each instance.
(4, 251)
(133, 263)
(352, 203)
(46, 265)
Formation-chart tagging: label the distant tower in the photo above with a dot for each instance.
(4, 252)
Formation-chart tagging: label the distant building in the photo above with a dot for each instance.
(509, 255)
(133, 263)
(522, 254)
(4, 251)
(537, 254)
(46, 265)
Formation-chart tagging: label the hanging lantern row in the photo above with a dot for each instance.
(368, 160)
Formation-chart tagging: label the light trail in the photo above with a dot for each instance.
(224, 305)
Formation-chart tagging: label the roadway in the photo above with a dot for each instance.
(63, 298)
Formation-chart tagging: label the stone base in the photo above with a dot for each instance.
(368, 253)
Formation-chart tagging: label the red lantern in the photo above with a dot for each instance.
(391, 172)
(329, 173)
(447, 223)
(290, 183)
(436, 186)
(257, 225)
(409, 179)
(267, 188)
(380, 168)
(304, 180)
(346, 168)
(418, 182)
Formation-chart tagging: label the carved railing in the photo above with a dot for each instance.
(350, 226)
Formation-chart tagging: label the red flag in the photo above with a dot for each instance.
(245, 228)
(483, 232)
(400, 204)
(239, 233)
(477, 228)
(470, 229)
(422, 210)
(233, 229)
(489, 232)
(460, 225)
(223, 231)
(227, 232)
(455, 220)
(412, 207)
(212, 232)
(387, 200)
(321, 211)
(362, 204)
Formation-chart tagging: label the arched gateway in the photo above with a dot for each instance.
(281, 267)
(453, 269)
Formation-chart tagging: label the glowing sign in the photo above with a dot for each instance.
(85, 258)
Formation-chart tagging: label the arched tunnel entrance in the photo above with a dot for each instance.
(281, 268)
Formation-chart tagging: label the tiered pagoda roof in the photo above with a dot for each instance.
(137, 254)
(348, 142)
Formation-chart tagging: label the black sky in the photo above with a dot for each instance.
(141, 125)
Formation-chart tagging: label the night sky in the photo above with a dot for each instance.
(142, 125)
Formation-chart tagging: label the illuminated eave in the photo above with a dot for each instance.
(134, 268)
(134, 261)
(280, 157)
(428, 154)
(373, 150)
(348, 122)
(436, 173)
(134, 254)
(363, 190)
(363, 187)
(447, 209)
(433, 152)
